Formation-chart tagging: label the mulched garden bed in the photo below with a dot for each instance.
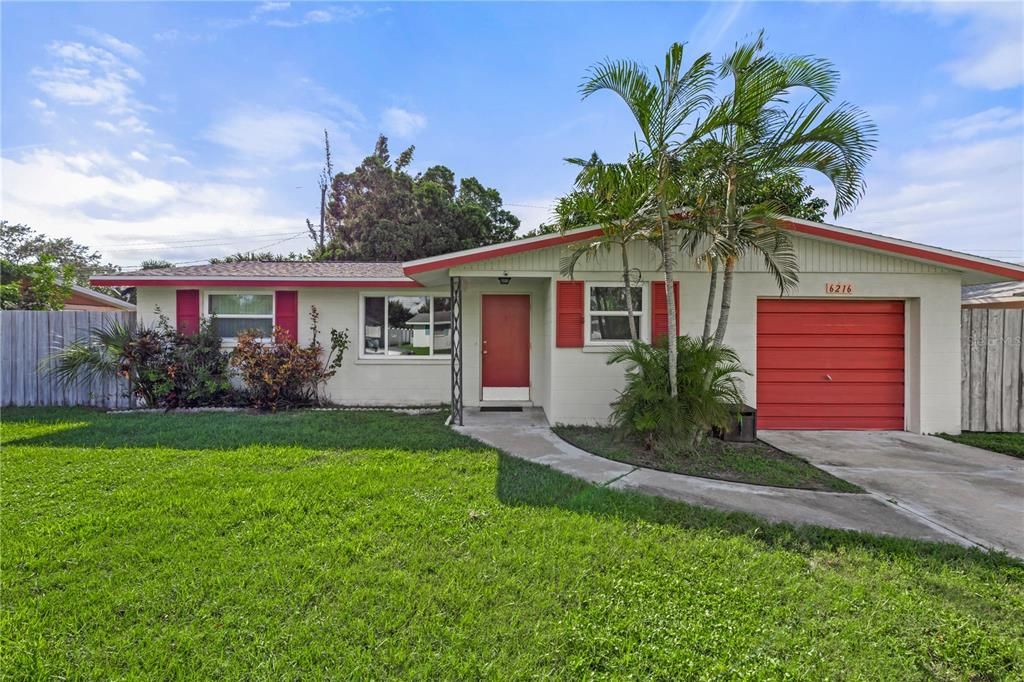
(757, 463)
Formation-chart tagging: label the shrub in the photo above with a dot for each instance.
(164, 368)
(282, 373)
(709, 393)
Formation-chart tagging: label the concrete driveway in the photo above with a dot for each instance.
(976, 494)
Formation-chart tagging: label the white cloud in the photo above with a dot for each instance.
(402, 123)
(111, 43)
(964, 195)
(992, 38)
(317, 16)
(174, 35)
(270, 136)
(272, 7)
(994, 120)
(138, 156)
(107, 204)
(89, 76)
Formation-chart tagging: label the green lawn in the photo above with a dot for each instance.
(1006, 443)
(757, 463)
(371, 545)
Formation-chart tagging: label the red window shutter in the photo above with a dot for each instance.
(569, 314)
(659, 310)
(286, 312)
(187, 317)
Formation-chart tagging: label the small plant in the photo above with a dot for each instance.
(709, 393)
(282, 373)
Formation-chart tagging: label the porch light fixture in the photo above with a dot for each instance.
(504, 279)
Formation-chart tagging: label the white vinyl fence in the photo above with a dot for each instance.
(992, 369)
(28, 337)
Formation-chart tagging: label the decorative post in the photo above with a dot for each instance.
(456, 283)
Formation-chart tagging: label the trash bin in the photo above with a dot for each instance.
(744, 430)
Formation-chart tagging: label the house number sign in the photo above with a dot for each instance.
(839, 288)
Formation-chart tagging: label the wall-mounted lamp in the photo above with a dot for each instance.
(504, 279)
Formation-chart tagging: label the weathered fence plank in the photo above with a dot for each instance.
(976, 386)
(1013, 333)
(992, 370)
(965, 367)
(29, 337)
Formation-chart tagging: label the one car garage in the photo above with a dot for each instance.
(826, 364)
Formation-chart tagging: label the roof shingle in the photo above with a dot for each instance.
(289, 269)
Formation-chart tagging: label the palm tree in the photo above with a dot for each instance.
(756, 137)
(662, 108)
(618, 198)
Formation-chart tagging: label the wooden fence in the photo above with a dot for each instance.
(28, 337)
(992, 369)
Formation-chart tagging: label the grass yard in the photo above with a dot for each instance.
(758, 462)
(1007, 443)
(374, 545)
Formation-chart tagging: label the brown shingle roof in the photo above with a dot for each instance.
(290, 269)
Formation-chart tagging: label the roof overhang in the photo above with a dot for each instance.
(102, 298)
(989, 269)
(127, 280)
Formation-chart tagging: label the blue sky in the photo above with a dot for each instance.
(187, 130)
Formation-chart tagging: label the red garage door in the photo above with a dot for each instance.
(830, 364)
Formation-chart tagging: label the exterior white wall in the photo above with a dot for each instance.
(576, 385)
(359, 381)
(373, 381)
(582, 384)
(151, 302)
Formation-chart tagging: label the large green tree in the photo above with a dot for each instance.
(380, 211)
(21, 245)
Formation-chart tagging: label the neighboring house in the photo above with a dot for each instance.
(84, 298)
(870, 339)
(996, 295)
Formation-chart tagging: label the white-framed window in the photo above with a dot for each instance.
(399, 326)
(607, 318)
(233, 312)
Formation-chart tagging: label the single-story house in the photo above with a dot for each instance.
(870, 339)
(84, 298)
(1008, 295)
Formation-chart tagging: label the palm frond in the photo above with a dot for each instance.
(631, 82)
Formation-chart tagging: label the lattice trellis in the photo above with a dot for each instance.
(456, 284)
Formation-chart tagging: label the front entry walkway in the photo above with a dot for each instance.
(528, 436)
(974, 493)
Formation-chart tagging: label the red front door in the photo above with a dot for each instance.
(506, 347)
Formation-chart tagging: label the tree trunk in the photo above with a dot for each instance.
(670, 299)
(723, 313)
(731, 221)
(709, 312)
(629, 291)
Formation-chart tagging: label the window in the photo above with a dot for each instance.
(607, 316)
(396, 326)
(235, 313)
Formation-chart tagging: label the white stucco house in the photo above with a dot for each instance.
(870, 339)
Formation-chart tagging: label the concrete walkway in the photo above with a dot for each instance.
(528, 436)
(974, 493)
